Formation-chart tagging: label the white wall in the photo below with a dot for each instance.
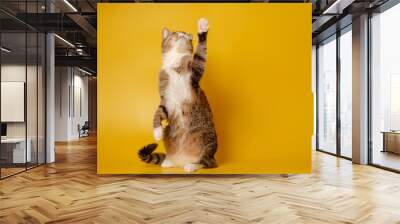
(16, 73)
(71, 87)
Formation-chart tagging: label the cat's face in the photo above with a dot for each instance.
(180, 42)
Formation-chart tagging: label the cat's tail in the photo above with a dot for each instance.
(146, 154)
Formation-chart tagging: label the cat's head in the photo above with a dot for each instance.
(176, 41)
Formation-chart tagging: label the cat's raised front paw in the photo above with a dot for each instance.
(202, 25)
(158, 133)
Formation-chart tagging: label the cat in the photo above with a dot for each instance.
(189, 137)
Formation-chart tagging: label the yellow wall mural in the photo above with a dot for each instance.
(257, 80)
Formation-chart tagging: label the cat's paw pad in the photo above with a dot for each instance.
(202, 25)
(158, 133)
(167, 164)
(189, 168)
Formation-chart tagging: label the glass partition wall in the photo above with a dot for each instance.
(385, 89)
(13, 89)
(22, 98)
(334, 93)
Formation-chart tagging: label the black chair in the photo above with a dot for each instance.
(84, 130)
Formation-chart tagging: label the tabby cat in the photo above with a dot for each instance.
(189, 135)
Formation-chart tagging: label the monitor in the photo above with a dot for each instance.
(3, 129)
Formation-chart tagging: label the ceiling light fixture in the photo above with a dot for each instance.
(70, 5)
(84, 71)
(337, 7)
(64, 40)
(5, 50)
(79, 51)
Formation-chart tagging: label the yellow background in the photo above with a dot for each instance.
(257, 79)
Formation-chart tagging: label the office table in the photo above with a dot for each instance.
(13, 150)
(391, 141)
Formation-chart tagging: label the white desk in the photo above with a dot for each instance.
(18, 149)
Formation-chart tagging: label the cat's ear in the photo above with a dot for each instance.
(165, 33)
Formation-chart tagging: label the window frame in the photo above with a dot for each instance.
(334, 37)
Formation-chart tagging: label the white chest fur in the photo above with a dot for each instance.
(179, 88)
(177, 92)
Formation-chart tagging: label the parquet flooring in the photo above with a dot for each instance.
(10, 171)
(70, 191)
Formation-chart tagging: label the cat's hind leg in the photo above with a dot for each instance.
(208, 162)
(210, 148)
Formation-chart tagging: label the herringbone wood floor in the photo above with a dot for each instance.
(70, 191)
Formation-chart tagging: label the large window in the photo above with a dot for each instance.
(385, 89)
(346, 93)
(334, 73)
(327, 95)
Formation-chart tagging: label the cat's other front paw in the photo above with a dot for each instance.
(158, 133)
(191, 167)
(202, 25)
(167, 164)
